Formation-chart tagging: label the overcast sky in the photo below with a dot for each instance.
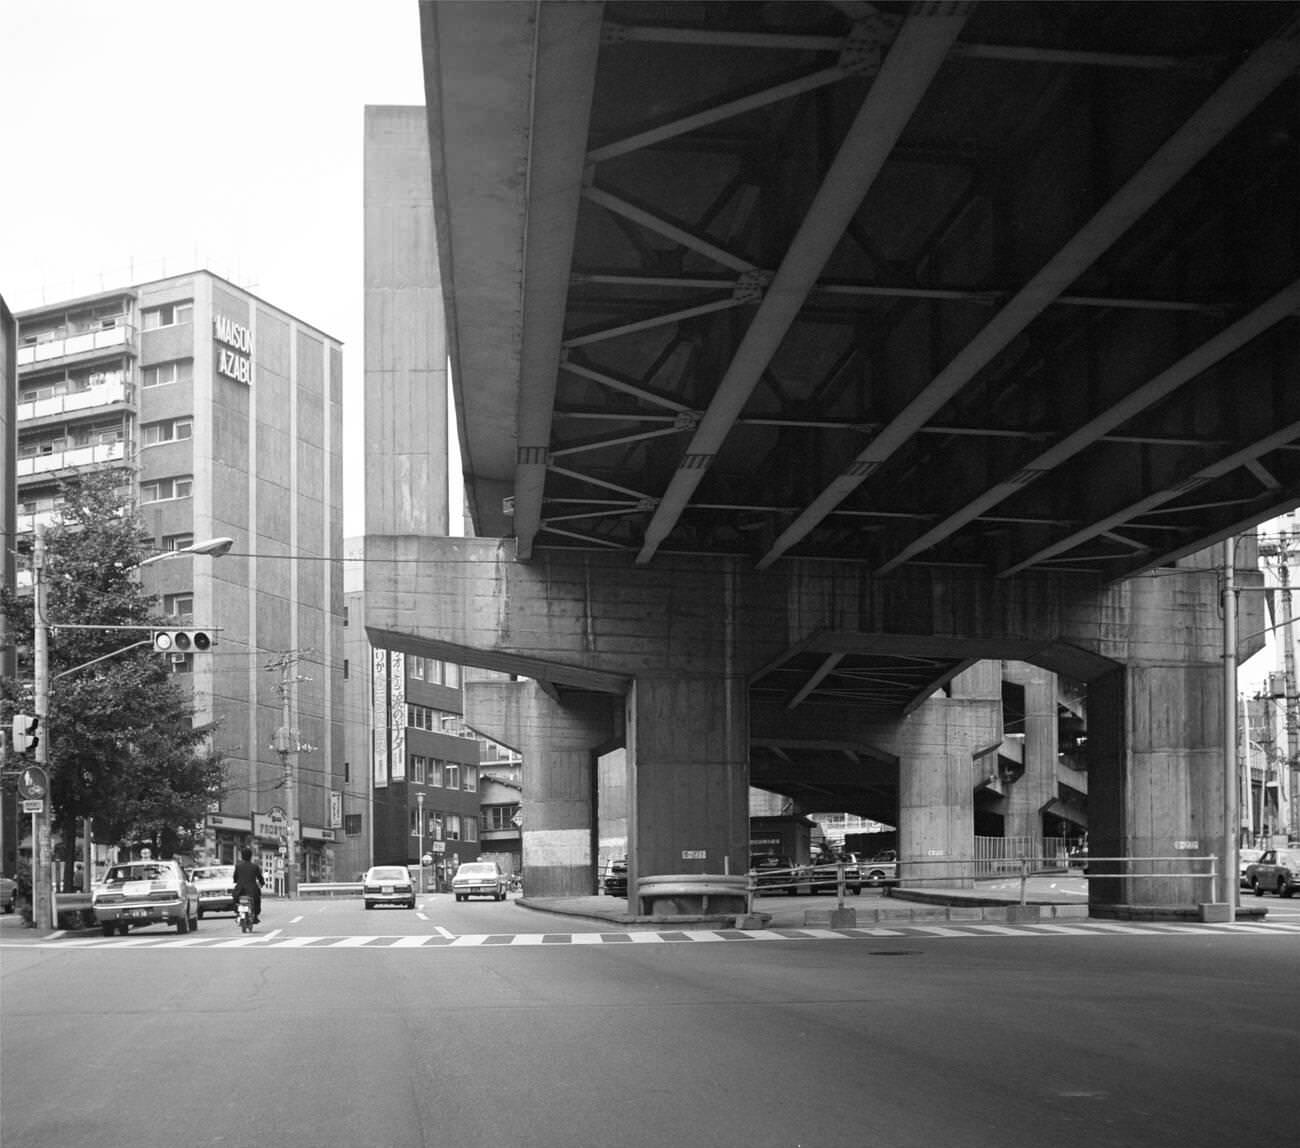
(149, 137)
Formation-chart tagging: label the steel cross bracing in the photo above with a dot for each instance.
(1004, 286)
(1000, 288)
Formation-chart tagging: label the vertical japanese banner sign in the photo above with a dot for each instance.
(398, 670)
(379, 716)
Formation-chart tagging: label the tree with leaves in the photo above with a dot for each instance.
(123, 749)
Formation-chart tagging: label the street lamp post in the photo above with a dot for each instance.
(419, 802)
(42, 868)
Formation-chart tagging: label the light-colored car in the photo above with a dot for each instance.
(882, 869)
(388, 885)
(480, 879)
(1277, 871)
(1246, 858)
(216, 886)
(136, 893)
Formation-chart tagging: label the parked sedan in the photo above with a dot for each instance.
(138, 893)
(388, 885)
(1277, 871)
(480, 879)
(216, 886)
(826, 876)
(772, 872)
(8, 894)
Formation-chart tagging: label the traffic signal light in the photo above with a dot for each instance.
(185, 641)
(25, 736)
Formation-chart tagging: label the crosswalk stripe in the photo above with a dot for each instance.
(442, 939)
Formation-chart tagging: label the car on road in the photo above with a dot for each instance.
(135, 893)
(1277, 871)
(8, 894)
(388, 885)
(881, 869)
(775, 873)
(1245, 858)
(480, 879)
(216, 886)
(615, 883)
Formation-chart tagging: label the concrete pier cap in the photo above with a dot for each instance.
(667, 659)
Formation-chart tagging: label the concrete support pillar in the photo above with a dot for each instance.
(1156, 777)
(688, 763)
(559, 741)
(1036, 787)
(939, 746)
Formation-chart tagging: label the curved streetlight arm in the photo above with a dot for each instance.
(216, 547)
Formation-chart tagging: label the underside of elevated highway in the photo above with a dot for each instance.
(837, 386)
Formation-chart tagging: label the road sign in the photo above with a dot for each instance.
(33, 782)
(33, 805)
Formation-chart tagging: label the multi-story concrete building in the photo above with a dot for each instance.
(226, 411)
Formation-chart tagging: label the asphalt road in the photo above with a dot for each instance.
(391, 1029)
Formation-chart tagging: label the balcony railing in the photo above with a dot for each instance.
(76, 401)
(67, 459)
(76, 344)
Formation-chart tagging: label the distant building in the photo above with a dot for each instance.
(228, 411)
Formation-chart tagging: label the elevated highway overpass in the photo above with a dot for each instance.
(810, 360)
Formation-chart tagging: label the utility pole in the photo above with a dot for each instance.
(42, 857)
(288, 744)
(1288, 811)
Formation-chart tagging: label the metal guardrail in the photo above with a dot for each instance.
(976, 870)
(1026, 867)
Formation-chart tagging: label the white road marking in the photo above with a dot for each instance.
(276, 938)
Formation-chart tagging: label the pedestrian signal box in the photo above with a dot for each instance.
(182, 641)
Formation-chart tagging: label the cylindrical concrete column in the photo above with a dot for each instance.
(938, 747)
(1036, 787)
(559, 742)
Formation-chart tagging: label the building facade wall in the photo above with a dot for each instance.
(231, 418)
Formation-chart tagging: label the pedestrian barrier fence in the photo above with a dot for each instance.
(1201, 871)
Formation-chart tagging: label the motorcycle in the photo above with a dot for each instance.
(244, 914)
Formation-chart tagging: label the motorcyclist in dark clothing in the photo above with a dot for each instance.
(249, 882)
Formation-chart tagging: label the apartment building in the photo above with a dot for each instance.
(227, 411)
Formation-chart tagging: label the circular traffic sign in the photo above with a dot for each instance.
(33, 783)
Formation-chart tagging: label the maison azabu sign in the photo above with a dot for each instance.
(234, 349)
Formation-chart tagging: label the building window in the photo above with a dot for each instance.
(179, 605)
(499, 817)
(471, 779)
(168, 315)
(435, 773)
(173, 542)
(451, 675)
(352, 824)
(159, 375)
(346, 670)
(419, 769)
(451, 771)
(167, 489)
(435, 825)
(167, 430)
(413, 822)
(471, 829)
(417, 668)
(453, 827)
